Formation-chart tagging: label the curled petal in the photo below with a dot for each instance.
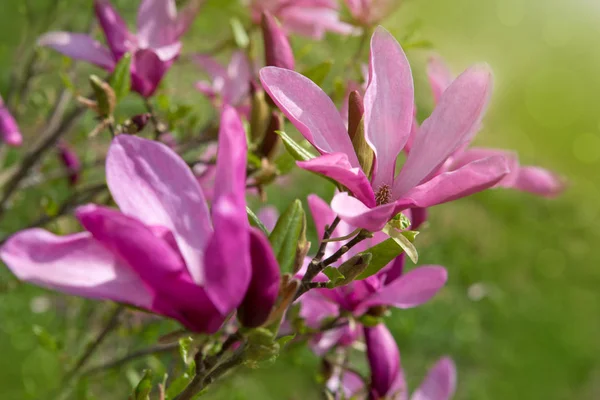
(538, 181)
(356, 213)
(156, 23)
(78, 46)
(115, 29)
(389, 104)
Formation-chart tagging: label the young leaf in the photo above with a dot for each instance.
(144, 387)
(255, 221)
(298, 152)
(120, 79)
(402, 239)
(383, 253)
(240, 36)
(333, 274)
(319, 72)
(286, 234)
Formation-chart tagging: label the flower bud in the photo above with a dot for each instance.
(105, 96)
(278, 52)
(139, 121)
(70, 161)
(264, 284)
(356, 110)
(9, 130)
(353, 268)
(356, 130)
(259, 115)
(384, 361)
(271, 140)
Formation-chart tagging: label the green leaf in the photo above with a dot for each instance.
(319, 72)
(255, 221)
(177, 386)
(185, 345)
(282, 341)
(240, 36)
(120, 79)
(334, 275)
(403, 239)
(383, 253)
(144, 387)
(286, 234)
(296, 150)
(370, 320)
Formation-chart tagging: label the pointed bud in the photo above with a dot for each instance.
(353, 268)
(278, 52)
(271, 140)
(139, 121)
(105, 96)
(264, 284)
(356, 110)
(260, 114)
(9, 130)
(70, 161)
(301, 249)
(384, 361)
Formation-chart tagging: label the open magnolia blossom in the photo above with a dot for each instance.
(154, 48)
(9, 130)
(388, 119)
(390, 287)
(164, 251)
(531, 179)
(304, 17)
(371, 12)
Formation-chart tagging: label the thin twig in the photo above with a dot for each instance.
(157, 349)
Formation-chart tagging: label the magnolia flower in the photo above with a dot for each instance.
(164, 251)
(388, 120)
(389, 287)
(305, 17)
(371, 12)
(154, 48)
(531, 179)
(70, 161)
(387, 379)
(9, 130)
(230, 85)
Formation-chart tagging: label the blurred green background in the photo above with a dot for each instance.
(521, 312)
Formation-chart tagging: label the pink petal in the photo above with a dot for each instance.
(356, 213)
(440, 383)
(314, 21)
(310, 110)
(186, 17)
(322, 214)
(476, 153)
(440, 76)
(314, 308)
(349, 383)
(384, 362)
(9, 130)
(156, 23)
(212, 67)
(539, 181)
(337, 167)
(227, 259)
(147, 72)
(458, 113)
(150, 182)
(268, 215)
(389, 104)
(410, 290)
(278, 52)
(78, 46)
(75, 264)
(239, 74)
(168, 52)
(472, 178)
(115, 29)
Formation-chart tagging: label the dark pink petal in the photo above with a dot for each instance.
(337, 167)
(115, 29)
(356, 213)
(147, 72)
(322, 214)
(74, 264)
(389, 103)
(394, 270)
(472, 178)
(227, 258)
(310, 110)
(418, 217)
(78, 46)
(156, 23)
(150, 182)
(451, 124)
(264, 285)
(9, 130)
(410, 290)
(70, 161)
(278, 52)
(539, 181)
(384, 362)
(440, 76)
(440, 382)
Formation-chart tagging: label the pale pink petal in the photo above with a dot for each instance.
(354, 212)
(538, 181)
(150, 182)
(75, 264)
(227, 258)
(310, 110)
(389, 103)
(458, 113)
(337, 167)
(78, 46)
(313, 21)
(410, 290)
(268, 215)
(115, 29)
(169, 51)
(186, 17)
(321, 213)
(440, 382)
(156, 23)
(314, 308)
(476, 153)
(212, 67)
(472, 178)
(239, 75)
(440, 76)
(347, 382)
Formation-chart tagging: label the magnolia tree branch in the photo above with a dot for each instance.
(152, 350)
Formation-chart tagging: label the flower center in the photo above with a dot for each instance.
(383, 195)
